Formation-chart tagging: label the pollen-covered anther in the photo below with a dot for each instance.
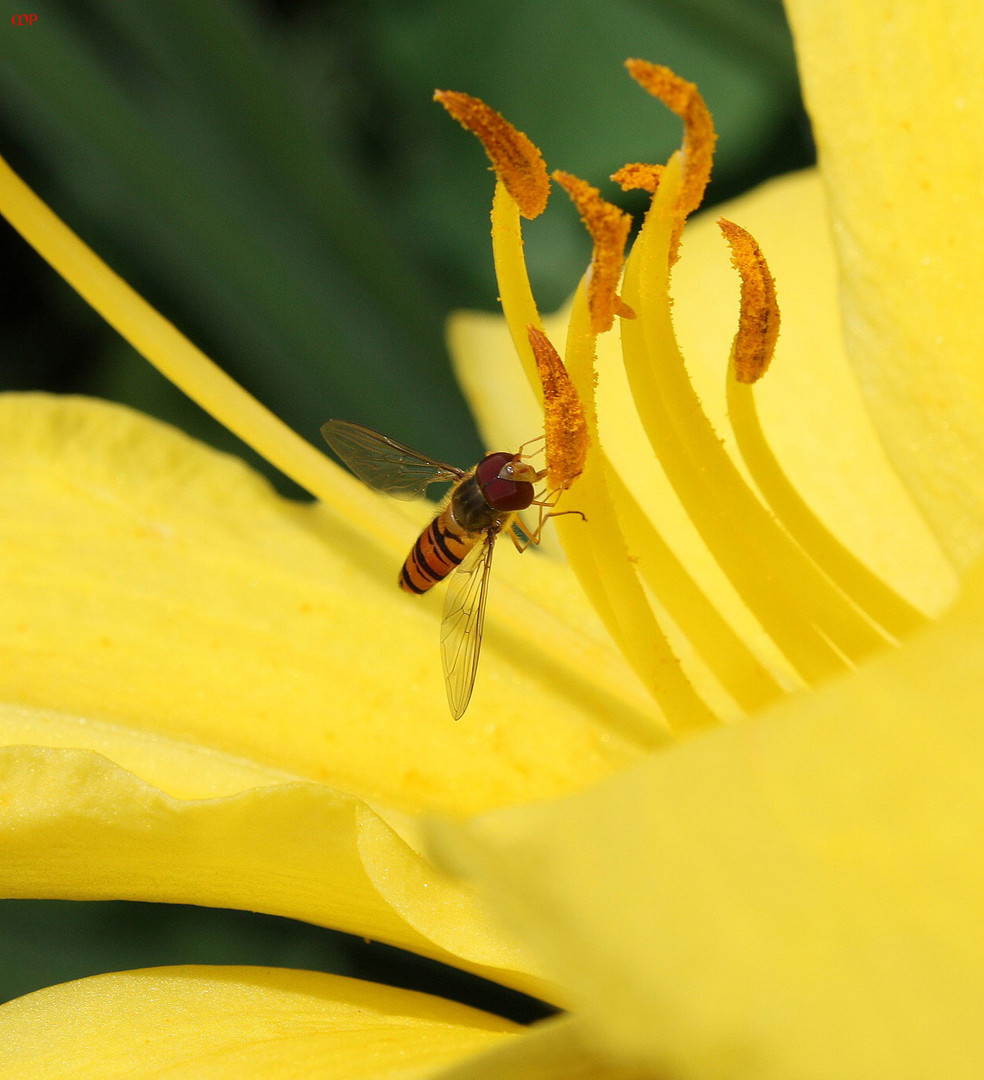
(683, 98)
(758, 322)
(638, 176)
(516, 160)
(608, 227)
(565, 427)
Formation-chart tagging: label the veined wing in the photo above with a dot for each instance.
(464, 619)
(383, 463)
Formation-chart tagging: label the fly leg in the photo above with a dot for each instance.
(532, 536)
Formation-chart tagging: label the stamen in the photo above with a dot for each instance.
(565, 427)
(516, 160)
(751, 353)
(684, 99)
(758, 320)
(810, 620)
(608, 227)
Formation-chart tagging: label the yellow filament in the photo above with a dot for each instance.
(515, 292)
(595, 550)
(186, 366)
(740, 672)
(599, 552)
(810, 621)
(864, 587)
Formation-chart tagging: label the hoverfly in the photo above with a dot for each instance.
(482, 503)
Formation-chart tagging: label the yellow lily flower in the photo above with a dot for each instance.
(201, 682)
(799, 896)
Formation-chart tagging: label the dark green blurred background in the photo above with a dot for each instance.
(275, 178)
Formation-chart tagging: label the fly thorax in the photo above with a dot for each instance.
(470, 508)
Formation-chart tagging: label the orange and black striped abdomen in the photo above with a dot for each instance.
(439, 550)
(463, 522)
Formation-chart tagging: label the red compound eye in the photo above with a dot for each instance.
(500, 492)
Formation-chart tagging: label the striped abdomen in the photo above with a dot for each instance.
(439, 549)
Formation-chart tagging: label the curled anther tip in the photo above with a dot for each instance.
(684, 99)
(517, 161)
(677, 94)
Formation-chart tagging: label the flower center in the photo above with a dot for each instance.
(818, 604)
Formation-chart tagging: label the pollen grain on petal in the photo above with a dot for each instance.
(608, 227)
(516, 160)
(638, 176)
(758, 322)
(684, 99)
(565, 426)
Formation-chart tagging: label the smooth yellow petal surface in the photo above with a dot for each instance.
(153, 585)
(563, 1047)
(798, 896)
(896, 95)
(75, 826)
(236, 1022)
(274, 698)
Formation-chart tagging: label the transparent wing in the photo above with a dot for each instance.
(461, 628)
(383, 463)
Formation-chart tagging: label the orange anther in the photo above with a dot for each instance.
(608, 227)
(564, 425)
(758, 322)
(516, 160)
(684, 99)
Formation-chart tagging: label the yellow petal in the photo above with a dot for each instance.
(564, 1047)
(796, 896)
(896, 96)
(236, 1022)
(151, 585)
(75, 826)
